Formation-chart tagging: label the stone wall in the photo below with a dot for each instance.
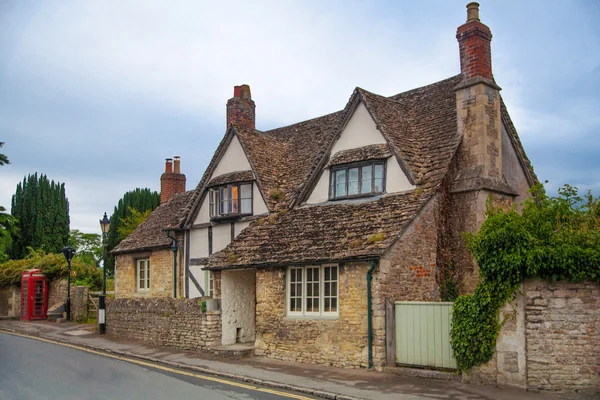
(550, 341)
(161, 274)
(57, 294)
(563, 336)
(179, 323)
(10, 302)
(406, 272)
(340, 342)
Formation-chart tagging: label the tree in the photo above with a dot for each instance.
(7, 223)
(41, 209)
(8, 229)
(88, 246)
(130, 222)
(3, 158)
(141, 200)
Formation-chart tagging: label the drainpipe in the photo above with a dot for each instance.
(370, 313)
(174, 248)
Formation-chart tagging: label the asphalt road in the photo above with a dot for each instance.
(32, 369)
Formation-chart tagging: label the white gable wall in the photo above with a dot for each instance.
(361, 131)
(233, 160)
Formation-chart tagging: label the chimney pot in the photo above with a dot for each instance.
(474, 42)
(176, 165)
(171, 183)
(241, 108)
(473, 11)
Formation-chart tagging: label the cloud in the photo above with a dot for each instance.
(97, 94)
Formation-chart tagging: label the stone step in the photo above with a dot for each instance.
(233, 351)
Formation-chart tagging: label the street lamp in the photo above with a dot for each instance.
(69, 252)
(105, 226)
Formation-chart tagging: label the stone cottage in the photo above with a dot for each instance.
(297, 230)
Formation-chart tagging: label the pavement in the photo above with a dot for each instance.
(319, 381)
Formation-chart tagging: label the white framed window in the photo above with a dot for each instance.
(313, 291)
(209, 282)
(231, 200)
(143, 274)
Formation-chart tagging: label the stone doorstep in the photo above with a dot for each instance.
(234, 351)
(424, 373)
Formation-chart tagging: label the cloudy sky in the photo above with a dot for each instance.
(96, 94)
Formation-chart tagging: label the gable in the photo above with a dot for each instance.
(234, 159)
(360, 132)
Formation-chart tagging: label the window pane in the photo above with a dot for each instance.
(312, 289)
(379, 171)
(331, 288)
(367, 175)
(246, 191)
(378, 185)
(340, 183)
(246, 206)
(234, 198)
(352, 181)
(224, 201)
(295, 290)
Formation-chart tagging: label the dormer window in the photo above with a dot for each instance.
(357, 180)
(231, 200)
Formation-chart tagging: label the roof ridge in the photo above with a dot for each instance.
(271, 131)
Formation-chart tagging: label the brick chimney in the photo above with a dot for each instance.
(474, 40)
(240, 108)
(171, 182)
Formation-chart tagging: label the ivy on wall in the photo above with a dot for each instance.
(554, 238)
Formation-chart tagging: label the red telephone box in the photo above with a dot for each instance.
(34, 295)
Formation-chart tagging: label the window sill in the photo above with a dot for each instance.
(229, 217)
(312, 317)
(360, 196)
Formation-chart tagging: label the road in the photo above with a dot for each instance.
(33, 369)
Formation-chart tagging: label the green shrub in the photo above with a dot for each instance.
(554, 238)
(53, 266)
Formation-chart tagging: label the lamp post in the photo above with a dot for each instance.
(69, 252)
(105, 226)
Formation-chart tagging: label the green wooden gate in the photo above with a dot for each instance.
(423, 334)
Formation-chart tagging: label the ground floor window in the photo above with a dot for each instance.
(143, 274)
(209, 282)
(313, 290)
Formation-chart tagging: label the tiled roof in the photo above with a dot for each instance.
(365, 153)
(334, 232)
(150, 233)
(232, 177)
(420, 127)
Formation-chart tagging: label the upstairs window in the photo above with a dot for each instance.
(357, 180)
(231, 200)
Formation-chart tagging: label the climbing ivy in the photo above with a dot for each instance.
(554, 238)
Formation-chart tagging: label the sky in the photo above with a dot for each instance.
(96, 94)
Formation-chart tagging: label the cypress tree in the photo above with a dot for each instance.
(141, 200)
(42, 211)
